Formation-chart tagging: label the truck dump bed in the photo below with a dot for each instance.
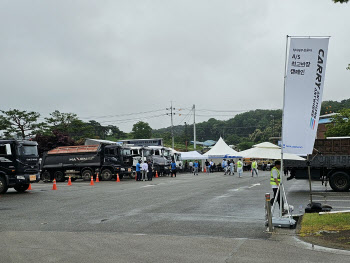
(333, 146)
(74, 149)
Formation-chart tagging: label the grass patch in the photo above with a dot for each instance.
(314, 224)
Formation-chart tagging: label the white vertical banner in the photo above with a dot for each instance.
(306, 67)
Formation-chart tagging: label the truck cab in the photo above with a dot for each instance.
(161, 163)
(19, 164)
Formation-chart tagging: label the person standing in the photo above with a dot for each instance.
(224, 166)
(254, 168)
(275, 180)
(144, 169)
(211, 166)
(232, 167)
(207, 164)
(173, 168)
(191, 166)
(195, 168)
(150, 171)
(138, 171)
(240, 167)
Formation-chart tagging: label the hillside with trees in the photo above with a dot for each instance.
(242, 130)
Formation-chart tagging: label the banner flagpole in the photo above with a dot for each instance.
(282, 141)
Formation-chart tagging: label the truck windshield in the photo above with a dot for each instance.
(27, 150)
(167, 153)
(126, 152)
(147, 152)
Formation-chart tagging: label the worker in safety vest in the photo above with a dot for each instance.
(254, 168)
(275, 180)
(239, 167)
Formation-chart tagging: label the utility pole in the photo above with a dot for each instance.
(194, 126)
(186, 136)
(172, 124)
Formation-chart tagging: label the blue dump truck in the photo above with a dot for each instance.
(19, 165)
(85, 161)
(330, 162)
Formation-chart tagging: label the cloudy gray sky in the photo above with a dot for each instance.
(115, 58)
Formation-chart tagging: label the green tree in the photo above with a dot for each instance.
(21, 123)
(141, 130)
(60, 121)
(340, 1)
(340, 125)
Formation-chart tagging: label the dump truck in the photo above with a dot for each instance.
(19, 164)
(85, 161)
(330, 163)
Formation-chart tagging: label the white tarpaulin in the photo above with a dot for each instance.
(303, 93)
(221, 150)
(194, 155)
(267, 150)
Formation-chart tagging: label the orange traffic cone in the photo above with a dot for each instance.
(92, 180)
(118, 180)
(156, 174)
(30, 187)
(69, 181)
(205, 170)
(97, 179)
(54, 187)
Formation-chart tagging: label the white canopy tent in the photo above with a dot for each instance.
(194, 155)
(221, 150)
(267, 150)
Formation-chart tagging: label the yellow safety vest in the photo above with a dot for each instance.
(272, 180)
(254, 164)
(239, 164)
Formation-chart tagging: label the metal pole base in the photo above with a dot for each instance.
(283, 222)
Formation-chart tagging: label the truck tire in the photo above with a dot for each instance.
(21, 188)
(87, 175)
(46, 177)
(106, 175)
(339, 181)
(3, 185)
(59, 176)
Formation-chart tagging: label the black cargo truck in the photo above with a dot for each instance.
(85, 161)
(330, 162)
(19, 165)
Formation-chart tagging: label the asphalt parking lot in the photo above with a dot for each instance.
(205, 218)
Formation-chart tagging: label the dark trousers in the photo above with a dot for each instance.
(138, 174)
(278, 198)
(173, 172)
(149, 176)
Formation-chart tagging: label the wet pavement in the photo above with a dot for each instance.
(205, 218)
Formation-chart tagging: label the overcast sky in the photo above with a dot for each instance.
(114, 58)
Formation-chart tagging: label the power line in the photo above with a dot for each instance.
(117, 115)
(133, 119)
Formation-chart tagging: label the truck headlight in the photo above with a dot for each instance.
(20, 177)
(122, 169)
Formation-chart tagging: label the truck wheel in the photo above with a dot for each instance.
(59, 176)
(3, 185)
(21, 188)
(46, 177)
(339, 181)
(106, 175)
(87, 175)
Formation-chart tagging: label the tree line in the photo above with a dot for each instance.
(242, 130)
